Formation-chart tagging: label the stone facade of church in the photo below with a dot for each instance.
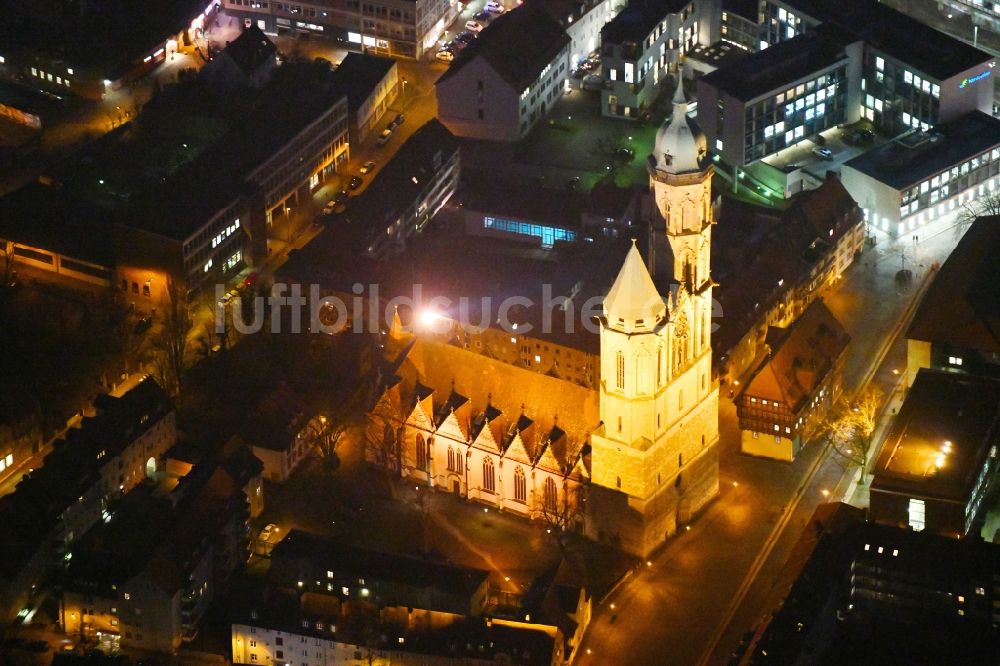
(628, 462)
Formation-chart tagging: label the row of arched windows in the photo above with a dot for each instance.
(550, 492)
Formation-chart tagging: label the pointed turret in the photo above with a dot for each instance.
(681, 146)
(633, 303)
(396, 330)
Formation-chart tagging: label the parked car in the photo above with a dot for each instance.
(445, 55)
(579, 73)
(593, 82)
(397, 121)
(494, 7)
(384, 137)
(823, 153)
(354, 183)
(330, 206)
(367, 167)
(341, 198)
(473, 26)
(466, 36)
(269, 531)
(483, 16)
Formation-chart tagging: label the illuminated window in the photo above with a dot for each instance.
(620, 367)
(955, 360)
(520, 485)
(916, 514)
(489, 478)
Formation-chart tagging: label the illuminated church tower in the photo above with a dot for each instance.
(658, 402)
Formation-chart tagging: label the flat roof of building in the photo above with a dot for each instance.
(941, 436)
(748, 9)
(182, 161)
(900, 36)
(109, 36)
(961, 308)
(776, 67)
(517, 45)
(347, 559)
(638, 19)
(912, 159)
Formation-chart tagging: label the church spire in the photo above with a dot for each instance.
(633, 303)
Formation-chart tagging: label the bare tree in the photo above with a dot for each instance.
(982, 206)
(851, 427)
(170, 344)
(384, 433)
(324, 436)
(562, 514)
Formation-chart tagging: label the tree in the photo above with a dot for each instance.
(170, 344)
(324, 436)
(384, 433)
(982, 206)
(851, 427)
(562, 515)
(7, 268)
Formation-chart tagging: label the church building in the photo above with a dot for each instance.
(627, 460)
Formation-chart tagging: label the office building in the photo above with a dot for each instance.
(774, 99)
(395, 28)
(869, 593)
(500, 86)
(406, 194)
(911, 75)
(938, 460)
(925, 175)
(740, 23)
(189, 191)
(955, 326)
(372, 84)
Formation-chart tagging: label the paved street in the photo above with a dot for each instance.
(709, 586)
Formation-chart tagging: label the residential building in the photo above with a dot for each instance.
(865, 592)
(955, 326)
(938, 460)
(395, 28)
(786, 398)
(775, 266)
(911, 75)
(188, 192)
(280, 432)
(924, 175)
(407, 192)
(582, 21)
(507, 80)
(92, 49)
(642, 46)
(273, 625)
(774, 99)
(86, 473)
(376, 577)
(372, 84)
(249, 61)
(144, 577)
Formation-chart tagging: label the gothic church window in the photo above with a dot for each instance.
(620, 366)
(422, 450)
(489, 479)
(520, 487)
(551, 495)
